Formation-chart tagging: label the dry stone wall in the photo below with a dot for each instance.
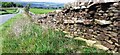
(100, 22)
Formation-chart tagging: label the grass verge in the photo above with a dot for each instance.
(6, 26)
(1, 40)
(40, 11)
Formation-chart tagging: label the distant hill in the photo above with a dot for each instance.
(43, 4)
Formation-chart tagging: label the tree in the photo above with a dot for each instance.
(10, 4)
(27, 8)
(7, 4)
(19, 5)
(60, 7)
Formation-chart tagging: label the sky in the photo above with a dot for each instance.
(57, 1)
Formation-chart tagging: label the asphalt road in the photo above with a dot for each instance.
(4, 18)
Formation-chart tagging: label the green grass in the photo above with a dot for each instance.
(11, 21)
(8, 11)
(1, 40)
(2, 12)
(6, 26)
(11, 10)
(40, 11)
(36, 39)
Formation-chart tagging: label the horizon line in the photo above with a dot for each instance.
(31, 1)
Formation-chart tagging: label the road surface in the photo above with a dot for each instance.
(4, 18)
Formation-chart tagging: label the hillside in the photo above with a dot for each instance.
(43, 4)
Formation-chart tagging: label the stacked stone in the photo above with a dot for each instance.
(99, 22)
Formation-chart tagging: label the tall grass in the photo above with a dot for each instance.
(35, 39)
(38, 40)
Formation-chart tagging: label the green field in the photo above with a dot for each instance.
(40, 11)
(11, 11)
(8, 11)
